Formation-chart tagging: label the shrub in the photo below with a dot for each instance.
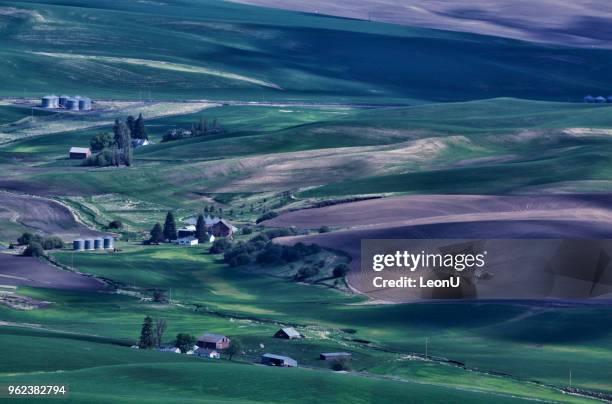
(52, 242)
(340, 365)
(247, 230)
(184, 342)
(267, 216)
(324, 229)
(220, 245)
(340, 270)
(28, 238)
(115, 224)
(34, 249)
(159, 296)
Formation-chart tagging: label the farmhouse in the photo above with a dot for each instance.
(208, 353)
(187, 231)
(187, 241)
(213, 341)
(335, 356)
(278, 360)
(223, 228)
(79, 153)
(288, 333)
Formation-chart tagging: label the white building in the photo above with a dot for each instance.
(187, 241)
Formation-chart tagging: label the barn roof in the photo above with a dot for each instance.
(279, 357)
(291, 332)
(79, 150)
(208, 337)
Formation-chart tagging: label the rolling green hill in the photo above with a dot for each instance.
(215, 49)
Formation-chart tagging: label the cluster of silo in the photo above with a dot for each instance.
(99, 243)
(76, 103)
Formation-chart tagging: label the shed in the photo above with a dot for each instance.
(213, 341)
(278, 360)
(288, 333)
(335, 356)
(79, 153)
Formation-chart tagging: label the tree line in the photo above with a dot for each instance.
(201, 128)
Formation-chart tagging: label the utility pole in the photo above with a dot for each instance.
(426, 347)
(570, 379)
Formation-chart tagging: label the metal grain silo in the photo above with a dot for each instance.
(78, 245)
(84, 104)
(72, 104)
(50, 101)
(108, 242)
(89, 244)
(62, 100)
(98, 243)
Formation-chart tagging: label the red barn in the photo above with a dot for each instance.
(213, 341)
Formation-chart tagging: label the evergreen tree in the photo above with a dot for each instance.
(157, 234)
(140, 131)
(201, 229)
(170, 227)
(130, 121)
(147, 338)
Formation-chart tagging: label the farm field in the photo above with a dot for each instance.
(306, 133)
(220, 50)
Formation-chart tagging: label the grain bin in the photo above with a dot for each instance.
(108, 242)
(78, 245)
(85, 104)
(50, 101)
(89, 244)
(98, 243)
(72, 104)
(62, 100)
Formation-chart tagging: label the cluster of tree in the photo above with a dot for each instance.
(201, 128)
(167, 233)
(37, 244)
(261, 250)
(151, 334)
(116, 149)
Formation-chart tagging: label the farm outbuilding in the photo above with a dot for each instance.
(213, 341)
(278, 360)
(108, 242)
(78, 245)
(335, 356)
(600, 100)
(72, 104)
(50, 101)
(62, 100)
(89, 244)
(223, 228)
(98, 243)
(79, 153)
(84, 104)
(288, 333)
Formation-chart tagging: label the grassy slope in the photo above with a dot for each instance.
(555, 338)
(281, 47)
(162, 377)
